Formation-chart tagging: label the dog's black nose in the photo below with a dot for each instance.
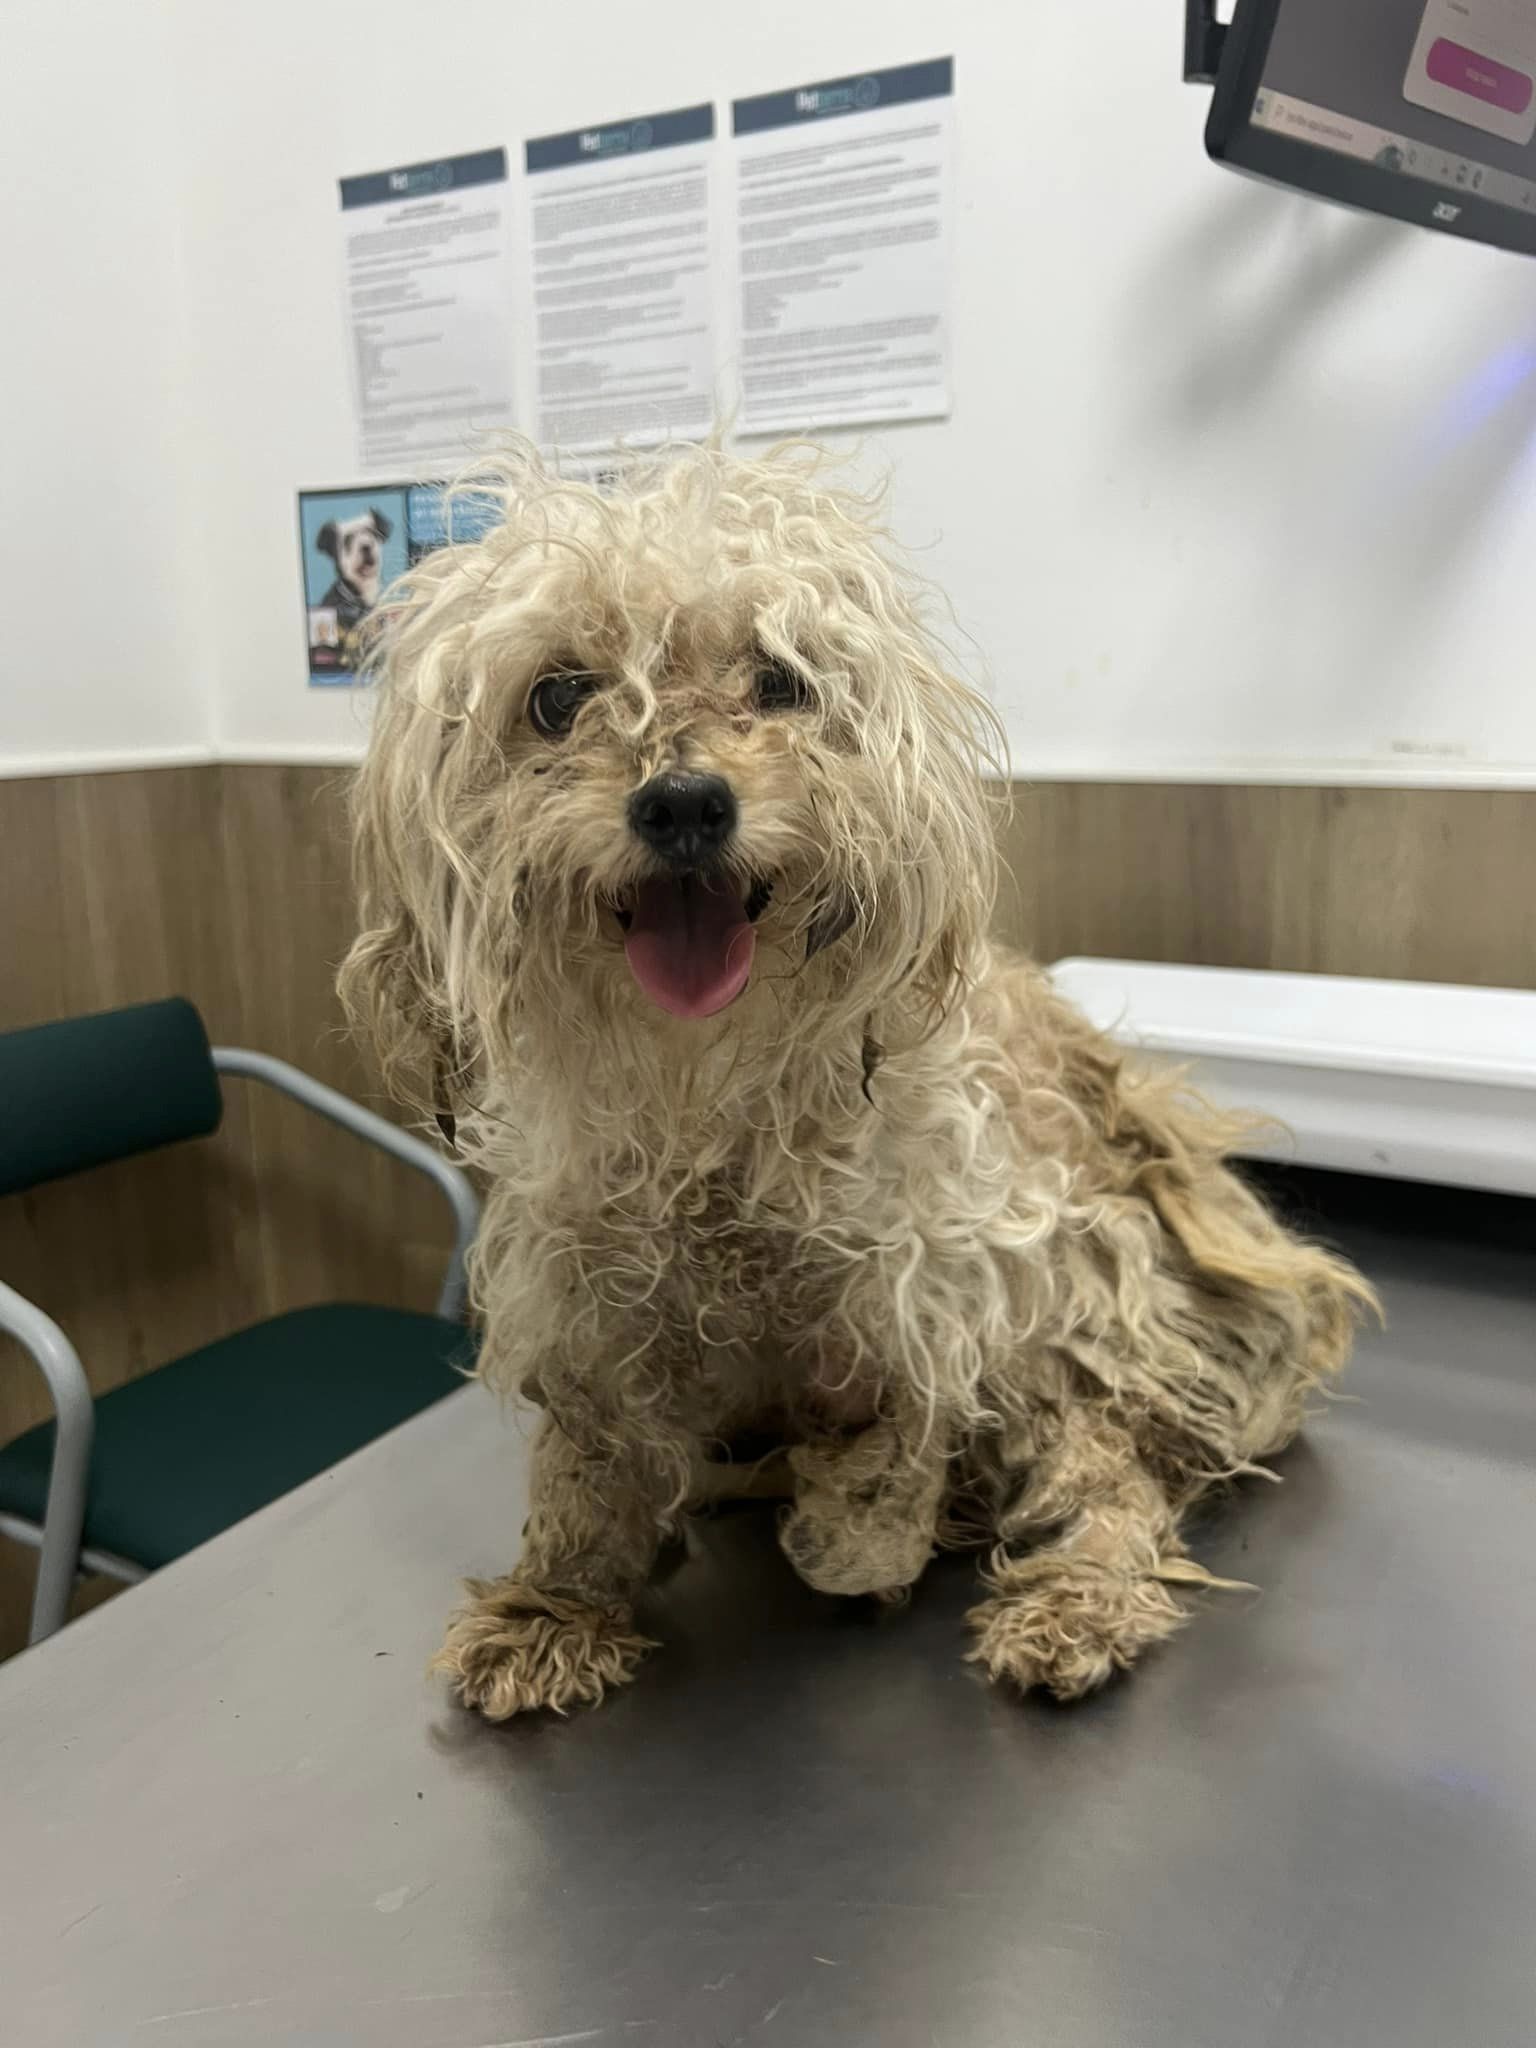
(684, 818)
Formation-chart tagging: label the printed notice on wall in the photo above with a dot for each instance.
(426, 269)
(843, 230)
(620, 224)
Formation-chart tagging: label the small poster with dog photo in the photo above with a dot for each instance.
(354, 545)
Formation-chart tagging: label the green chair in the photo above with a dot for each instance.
(183, 1452)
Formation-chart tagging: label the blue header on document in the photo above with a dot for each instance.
(862, 93)
(599, 143)
(425, 181)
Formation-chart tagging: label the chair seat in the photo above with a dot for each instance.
(183, 1452)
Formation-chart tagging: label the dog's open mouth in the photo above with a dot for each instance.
(689, 940)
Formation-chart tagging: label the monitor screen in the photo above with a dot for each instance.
(1421, 108)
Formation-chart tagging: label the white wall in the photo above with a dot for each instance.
(106, 654)
(1235, 485)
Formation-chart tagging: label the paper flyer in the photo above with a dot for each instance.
(621, 280)
(842, 231)
(427, 278)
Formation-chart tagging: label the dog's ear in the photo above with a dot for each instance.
(390, 989)
(381, 526)
(947, 833)
(325, 539)
(397, 982)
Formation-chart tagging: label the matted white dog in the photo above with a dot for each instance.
(676, 865)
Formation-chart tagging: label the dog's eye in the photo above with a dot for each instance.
(778, 687)
(555, 700)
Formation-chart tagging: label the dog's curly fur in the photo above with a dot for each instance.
(898, 1204)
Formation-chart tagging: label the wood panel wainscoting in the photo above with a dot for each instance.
(229, 884)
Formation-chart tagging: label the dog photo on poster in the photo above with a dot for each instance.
(355, 542)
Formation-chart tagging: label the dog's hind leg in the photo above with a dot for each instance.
(558, 1631)
(1091, 1594)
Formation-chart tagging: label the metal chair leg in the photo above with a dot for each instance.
(75, 1428)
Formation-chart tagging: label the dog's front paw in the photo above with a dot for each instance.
(514, 1650)
(1068, 1624)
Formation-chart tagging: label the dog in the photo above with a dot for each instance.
(356, 547)
(675, 844)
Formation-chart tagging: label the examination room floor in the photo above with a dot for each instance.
(235, 1812)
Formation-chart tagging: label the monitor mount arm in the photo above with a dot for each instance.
(1203, 38)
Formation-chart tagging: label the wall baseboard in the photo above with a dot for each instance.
(333, 754)
(1249, 774)
(103, 761)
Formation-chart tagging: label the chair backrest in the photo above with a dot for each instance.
(90, 1089)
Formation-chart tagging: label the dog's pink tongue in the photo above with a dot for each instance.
(689, 945)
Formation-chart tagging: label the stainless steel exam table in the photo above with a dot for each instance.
(233, 1811)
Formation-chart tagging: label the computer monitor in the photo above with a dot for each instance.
(1421, 109)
